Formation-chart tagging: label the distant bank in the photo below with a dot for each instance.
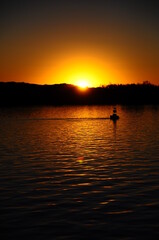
(24, 94)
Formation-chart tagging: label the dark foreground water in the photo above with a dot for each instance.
(68, 173)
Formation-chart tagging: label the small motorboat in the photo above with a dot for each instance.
(114, 116)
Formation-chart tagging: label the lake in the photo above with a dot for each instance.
(71, 173)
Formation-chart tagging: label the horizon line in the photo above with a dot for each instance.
(70, 84)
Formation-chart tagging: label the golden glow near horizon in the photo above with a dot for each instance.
(81, 70)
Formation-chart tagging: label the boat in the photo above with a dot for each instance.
(114, 116)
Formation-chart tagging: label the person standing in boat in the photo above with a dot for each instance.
(114, 110)
(114, 116)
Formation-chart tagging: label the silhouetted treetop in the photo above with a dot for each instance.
(25, 94)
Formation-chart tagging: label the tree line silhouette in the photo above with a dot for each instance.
(25, 94)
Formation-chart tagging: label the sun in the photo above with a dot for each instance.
(83, 84)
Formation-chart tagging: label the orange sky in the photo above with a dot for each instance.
(101, 42)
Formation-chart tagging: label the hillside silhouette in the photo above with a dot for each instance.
(25, 94)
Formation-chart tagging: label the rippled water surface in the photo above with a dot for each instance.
(71, 173)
